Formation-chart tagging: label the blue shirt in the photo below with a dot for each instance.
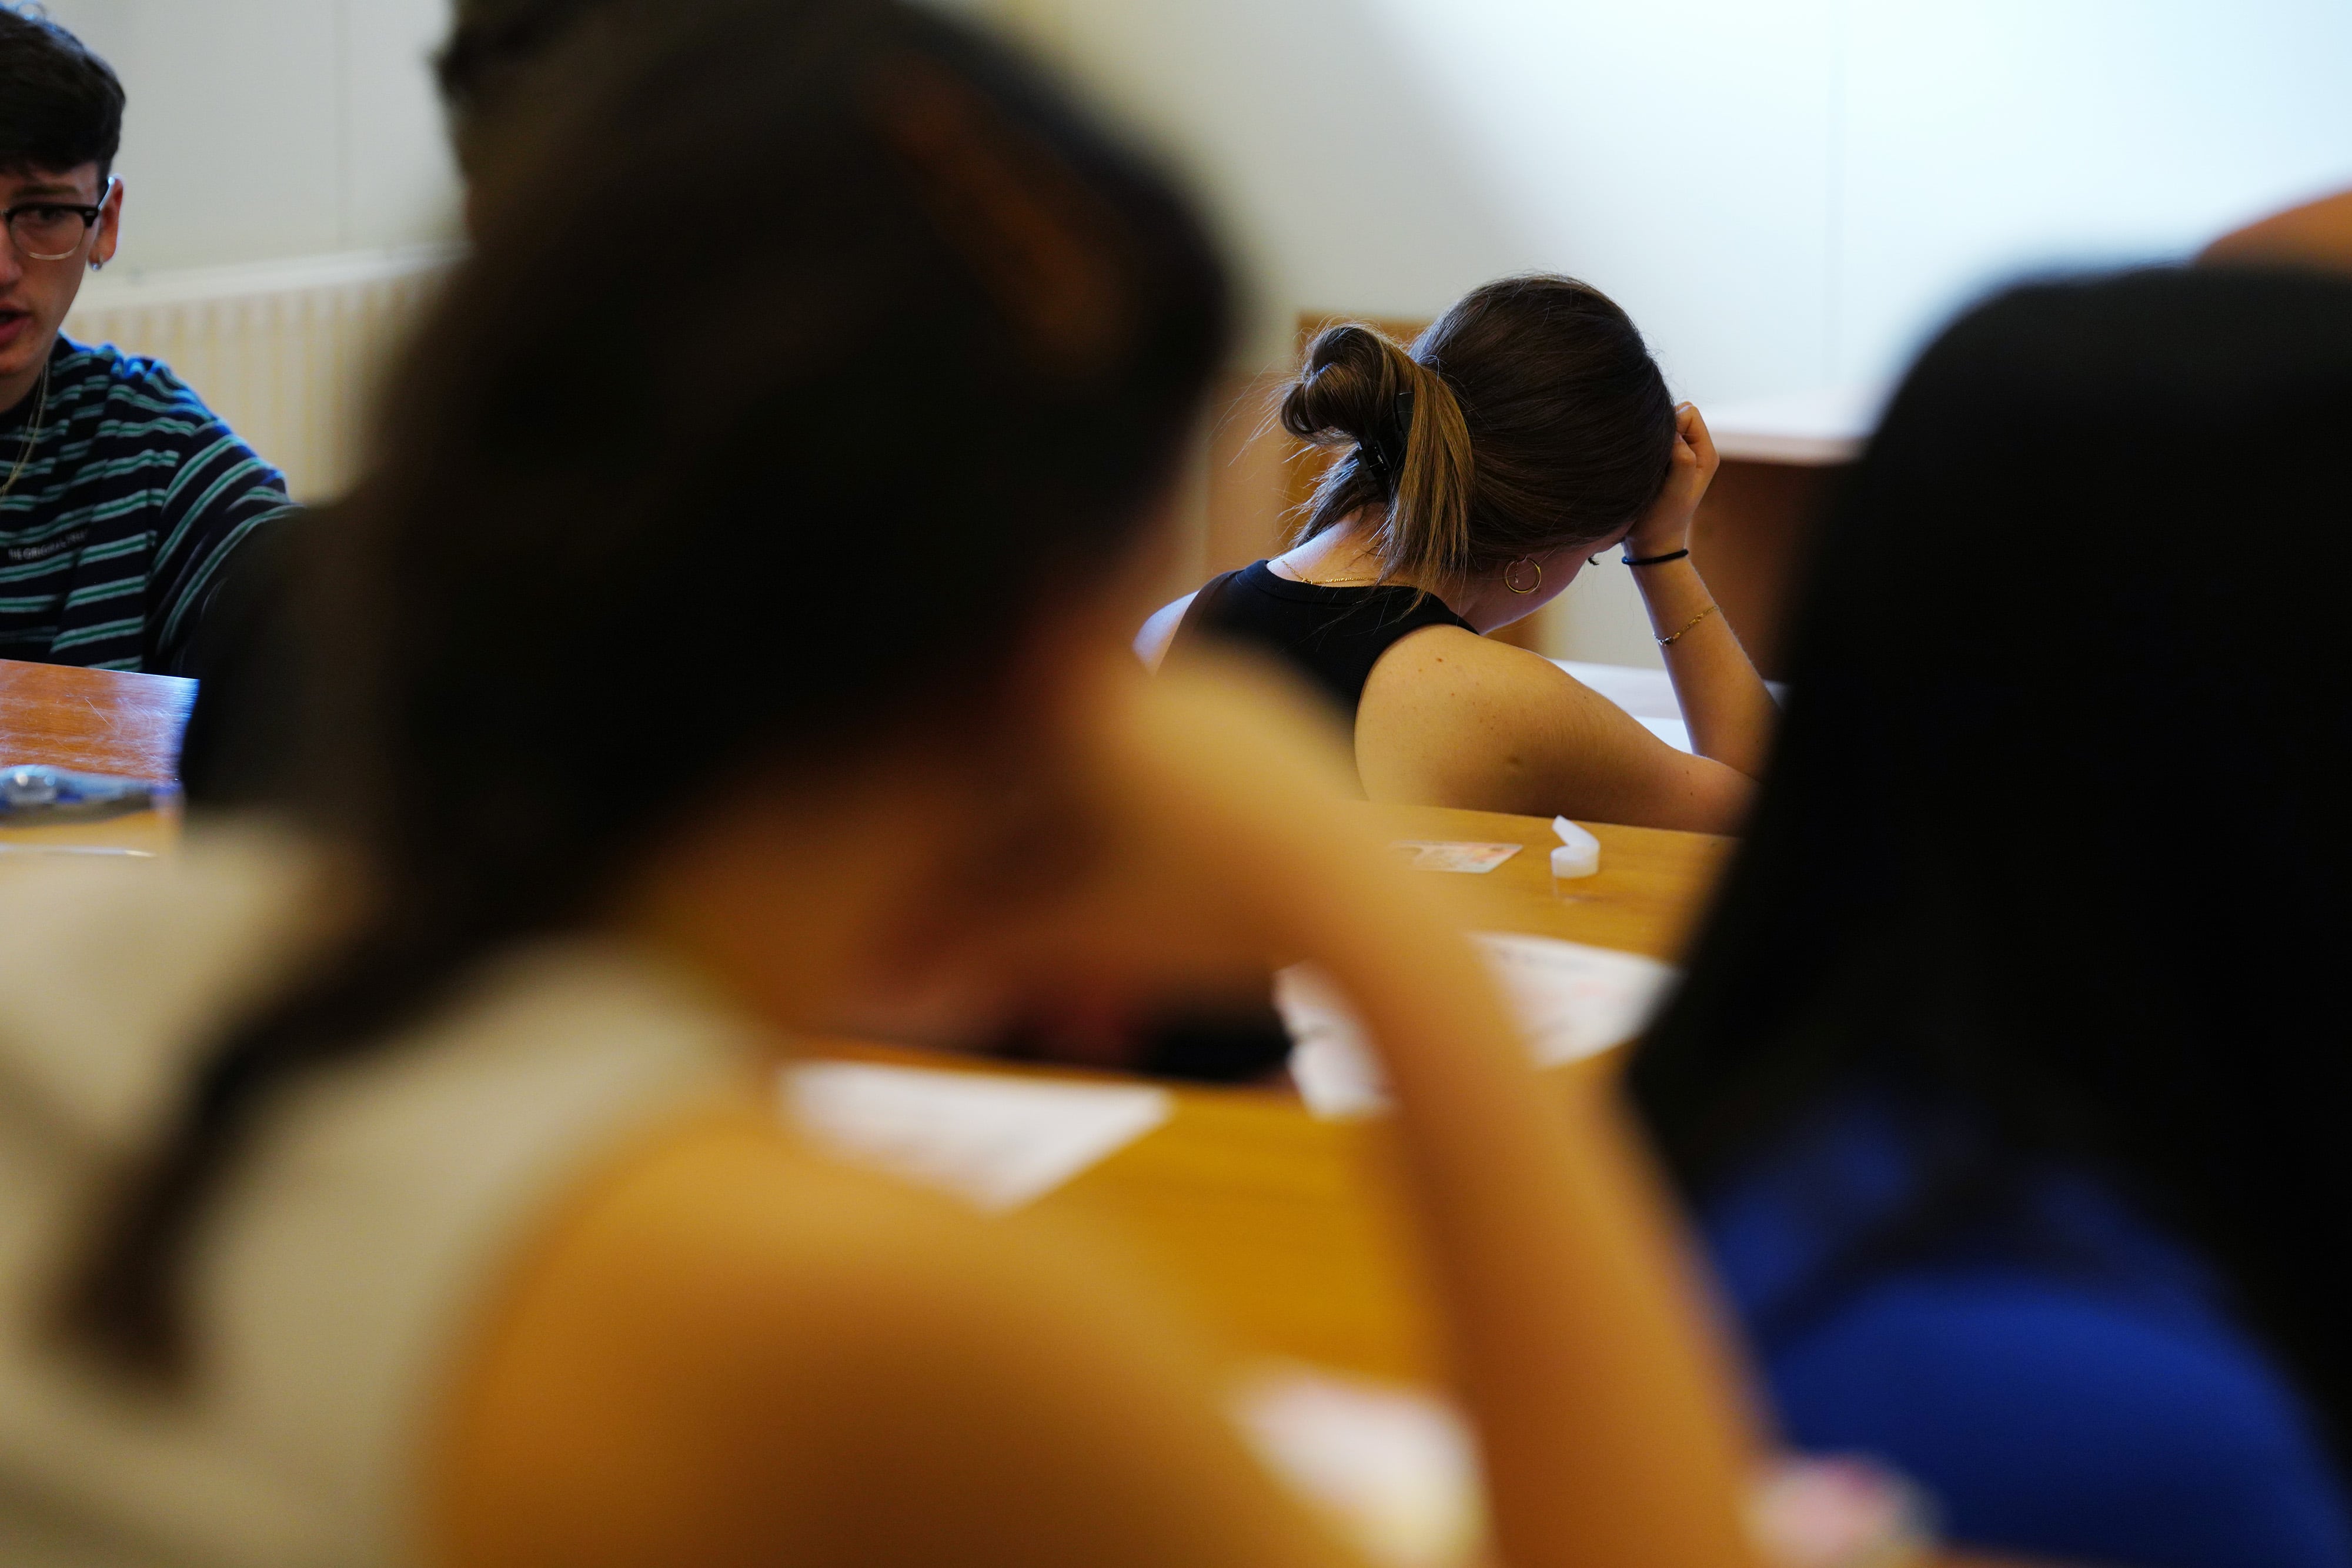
(130, 496)
(2066, 1380)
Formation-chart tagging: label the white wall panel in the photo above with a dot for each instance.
(1327, 151)
(401, 182)
(263, 129)
(229, 152)
(2003, 136)
(1674, 156)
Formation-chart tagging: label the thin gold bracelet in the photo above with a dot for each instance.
(1670, 642)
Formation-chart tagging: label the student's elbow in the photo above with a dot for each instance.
(1691, 795)
(1716, 798)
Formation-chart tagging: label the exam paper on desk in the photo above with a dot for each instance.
(1395, 1468)
(997, 1140)
(1572, 1000)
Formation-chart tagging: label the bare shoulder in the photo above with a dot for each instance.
(1159, 630)
(1449, 672)
(1450, 718)
(724, 1341)
(694, 1296)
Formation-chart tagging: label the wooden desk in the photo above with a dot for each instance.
(95, 721)
(1274, 1229)
(99, 721)
(1279, 1231)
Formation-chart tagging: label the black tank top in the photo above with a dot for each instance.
(1333, 635)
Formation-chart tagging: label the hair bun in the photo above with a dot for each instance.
(1355, 386)
(1411, 459)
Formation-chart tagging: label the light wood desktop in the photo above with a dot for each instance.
(1279, 1231)
(1272, 1228)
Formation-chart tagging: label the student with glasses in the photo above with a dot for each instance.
(121, 495)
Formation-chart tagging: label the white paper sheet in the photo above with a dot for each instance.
(995, 1140)
(1571, 999)
(1395, 1468)
(1673, 731)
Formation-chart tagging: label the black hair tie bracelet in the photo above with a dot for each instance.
(1653, 560)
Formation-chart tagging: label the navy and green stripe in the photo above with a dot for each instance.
(133, 495)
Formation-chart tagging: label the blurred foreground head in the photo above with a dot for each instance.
(2057, 829)
(814, 359)
(794, 310)
(492, 67)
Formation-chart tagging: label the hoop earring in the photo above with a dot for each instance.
(1534, 566)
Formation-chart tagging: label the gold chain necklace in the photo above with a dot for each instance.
(32, 433)
(1373, 581)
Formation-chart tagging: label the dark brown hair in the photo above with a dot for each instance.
(60, 105)
(492, 55)
(942, 333)
(1527, 417)
(2110, 933)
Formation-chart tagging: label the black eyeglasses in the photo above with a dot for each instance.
(52, 231)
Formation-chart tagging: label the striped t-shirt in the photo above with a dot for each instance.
(132, 495)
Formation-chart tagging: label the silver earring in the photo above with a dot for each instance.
(1511, 582)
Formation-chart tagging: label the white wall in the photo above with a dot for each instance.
(264, 128)
(1788, 194)
(1984, 138)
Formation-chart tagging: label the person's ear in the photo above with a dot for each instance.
(109, 225)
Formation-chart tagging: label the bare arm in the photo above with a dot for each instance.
(720, 1355)
(1574, 1332)
(728, 1351)
(1449, 719)
(1609, 1420)
(1730, 714)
